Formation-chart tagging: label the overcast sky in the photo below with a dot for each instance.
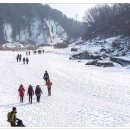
(70, 10)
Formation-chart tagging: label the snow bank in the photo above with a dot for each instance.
(13, 45)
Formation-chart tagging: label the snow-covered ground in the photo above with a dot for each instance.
(82, 96)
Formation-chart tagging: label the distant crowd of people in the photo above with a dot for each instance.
(26, 59)
(28, 53)
(38, 51)
(19, 58)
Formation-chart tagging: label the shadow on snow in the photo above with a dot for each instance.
(14, 104)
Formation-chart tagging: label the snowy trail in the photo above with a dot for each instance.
(81, 96)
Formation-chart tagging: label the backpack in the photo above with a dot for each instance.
(49, 84)
(20, 124)
(9, 115)
(30, 90)
(46, 76)
(38, 91)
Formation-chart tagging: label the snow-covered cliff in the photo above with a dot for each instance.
(36, 23)
(38, 32)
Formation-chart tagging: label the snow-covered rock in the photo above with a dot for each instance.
(104, 48)
(13, 45)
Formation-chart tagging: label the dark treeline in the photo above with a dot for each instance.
(72, 27)
(107, 20)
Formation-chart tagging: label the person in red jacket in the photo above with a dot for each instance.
(49, 84)
(21, 92)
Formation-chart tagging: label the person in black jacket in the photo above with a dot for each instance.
(24, 60)
(46, 76)
(20, 123)
(38, 93)
(17, 57)
(30, 93)
(20, 57)
(27, 60)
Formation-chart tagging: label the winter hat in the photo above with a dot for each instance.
(21, 85)
(14, 108)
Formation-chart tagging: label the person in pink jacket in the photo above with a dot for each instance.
(21, 92)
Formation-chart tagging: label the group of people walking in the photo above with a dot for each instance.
(19, 58)
(28, 53)
(48, 82)
(30, 93)
(37, 91)
(25, 60)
